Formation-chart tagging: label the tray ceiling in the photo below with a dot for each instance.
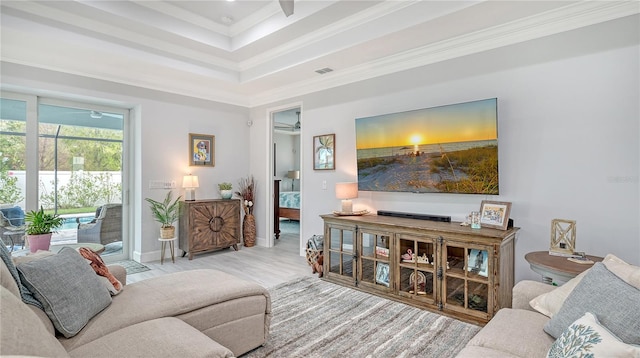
(249, 53)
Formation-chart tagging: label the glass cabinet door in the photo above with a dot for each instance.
(340, 241)
(418, 263)
(467, 279)
(374, 268)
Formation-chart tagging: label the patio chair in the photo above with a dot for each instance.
(105, 228)
(11, 234)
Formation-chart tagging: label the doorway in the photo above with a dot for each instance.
(286, 128)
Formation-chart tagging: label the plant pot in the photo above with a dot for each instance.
(249, 230)
(226, 194)
(39, 242)
(168, 232)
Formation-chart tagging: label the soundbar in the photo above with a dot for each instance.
(397, 214)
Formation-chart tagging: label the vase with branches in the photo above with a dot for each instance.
(247, 192)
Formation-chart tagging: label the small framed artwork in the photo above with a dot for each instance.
(202, 150)
(324, 149)
(478, 262)
(495, 214)
(563, 237)
(382, 273)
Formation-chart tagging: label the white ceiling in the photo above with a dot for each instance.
(248, 53)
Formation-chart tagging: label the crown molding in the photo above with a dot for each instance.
(335, 28)
(186, 16)
(555, 21)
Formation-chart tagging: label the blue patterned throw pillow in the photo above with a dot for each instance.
(587, 338)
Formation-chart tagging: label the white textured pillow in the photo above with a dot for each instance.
(549, 303)
(587, 337)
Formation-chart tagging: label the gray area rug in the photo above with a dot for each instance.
(314, 318)
(289, 227)
(131, 266)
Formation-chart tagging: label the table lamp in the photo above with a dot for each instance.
(346, 192)
(293, 175)
(189, 183)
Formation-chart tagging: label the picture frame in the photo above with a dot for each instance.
(382, 273)
(324, 148)
(563, 237)
(495, 214)
(478, 262)
(202, 150)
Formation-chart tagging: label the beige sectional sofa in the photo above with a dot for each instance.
(516, 331)
(199, 313)
(602, 303)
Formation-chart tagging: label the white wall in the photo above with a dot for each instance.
(160, 129)
(569, 136)
(287, 158)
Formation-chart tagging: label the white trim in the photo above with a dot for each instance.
(551, 22)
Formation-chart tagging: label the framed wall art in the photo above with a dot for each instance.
(495, 214)
(324, 152)
(202, 150)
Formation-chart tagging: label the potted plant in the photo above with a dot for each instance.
(166, 213)
(40, 227)
(225, 190)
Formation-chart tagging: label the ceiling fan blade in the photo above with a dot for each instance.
(287, 7)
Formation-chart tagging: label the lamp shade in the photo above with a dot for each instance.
(293, 174)
(190, 181)
(346, 190)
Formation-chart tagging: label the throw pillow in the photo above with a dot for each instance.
(101, 269)
(586, 337)
(67, 287)
(613, 301)
(549, 303)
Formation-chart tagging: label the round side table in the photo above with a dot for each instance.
(556, 268)
(171, 248)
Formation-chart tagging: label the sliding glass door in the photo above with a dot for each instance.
(79, 155)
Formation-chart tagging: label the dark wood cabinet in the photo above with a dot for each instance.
(462, 272)
(207, 225)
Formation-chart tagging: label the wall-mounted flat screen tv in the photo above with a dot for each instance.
(446, 149)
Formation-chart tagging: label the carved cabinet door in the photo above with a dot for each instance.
(212, 224)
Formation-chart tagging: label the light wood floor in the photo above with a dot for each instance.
(267, 266)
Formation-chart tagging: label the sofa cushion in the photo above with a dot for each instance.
(67, 287)
(587, 337)
(613, 301)
(483, 352)
(168, 296)
(163, 337)
(516, 332)
(549, 304)
(21, 331)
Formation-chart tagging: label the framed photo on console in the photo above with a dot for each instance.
(382, 273)
(495, 214)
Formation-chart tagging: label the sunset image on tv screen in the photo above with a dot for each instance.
(446, 149)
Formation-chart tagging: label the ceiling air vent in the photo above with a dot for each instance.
(322, 71)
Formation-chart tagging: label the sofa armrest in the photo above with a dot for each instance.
(119, 272)
(526, 290)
